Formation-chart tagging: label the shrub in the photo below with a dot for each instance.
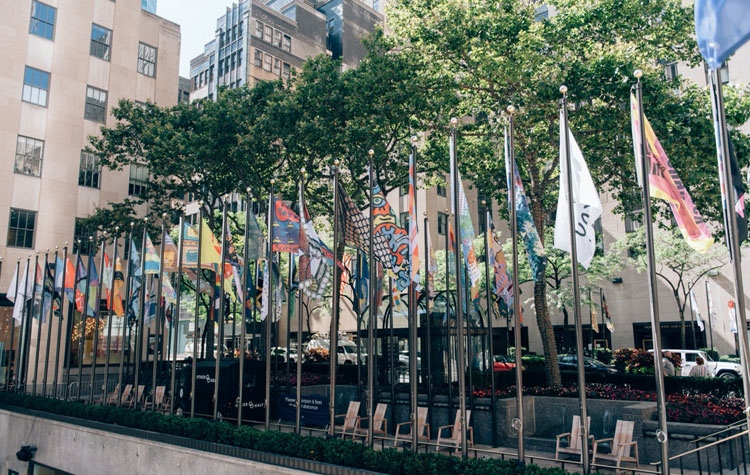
(604, 355)
(317, 355)
(730, 359)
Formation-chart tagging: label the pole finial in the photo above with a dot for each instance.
(563, 89)
(247, 190)
(414, 140)
(336, 162)
(484, 202)
(302, 171)
(424, 213)
(371, 152)
(145, 220)
(638, 74)
(273, 181)
(511, 109)
(164, 215)
(454, 121)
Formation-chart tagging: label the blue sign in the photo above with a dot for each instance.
(313, 411)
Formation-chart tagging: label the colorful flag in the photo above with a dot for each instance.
(135, 286)
(503, 286)
(80, 285)
(254, 238)
(70, 280)
(362, 286)
(526, 228)
(315, 259)
(152, 258)
(210, 248)
(265, 292)
(721, 26)
(346, 260)
(233, 261)
(170, 254)
(151, 302)
(594, 319)
(189, 247)
(354, 226)
(93, 288)
(48, 292)
(739, 194)
(467, 235)
(694, 305)
(390, 241)
(167, 291)
(115, 301)
(21, 294)
(732, 317)
(586, 204)
(432, 265)
(607, 317)
(667, 186)
(285, 225)
(413, 229)
(107, 276)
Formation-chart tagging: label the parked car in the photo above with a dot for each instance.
(347, 350)
(590, 365)
(503, 364)
(403, 358)
(280, 353)
(721, 369)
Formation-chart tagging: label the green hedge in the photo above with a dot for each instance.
(333, 451)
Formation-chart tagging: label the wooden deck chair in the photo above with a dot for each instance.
(158, 398)
(350, 420)
(127, 395)
(138, 395)
(165, 403)
(573, 438)
(620, 446)
(112, 398)
(379, 422)
(453, 440)
(423, 428)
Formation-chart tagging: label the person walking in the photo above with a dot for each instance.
(700, 370)
(667, 364)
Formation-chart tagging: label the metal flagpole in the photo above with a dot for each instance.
(333, 339)
(82, 338)
(413, 310)
(220, 316)
(447, 319)
(722, 141)
(140, 317)
(391, 353)
(111, 313)
(124, 327)
(27, 327)
(49, 325)
(176, 317)
(9, 361)
(576, 285)
(605, 316)
(39, 323)
(428, 321)
(97, 309)
(488, 289)
(193, 393)
(158, 325)
(22, 328)
(289, 311)
(708, 311)
(459, 304)
(662, 434)
(358, 312)
(298, 388)
(518, 420)
(269, 306)
(371, 310)
(72, 308)
(245, 296)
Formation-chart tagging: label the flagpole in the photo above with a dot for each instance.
(82, 338)
(371, 396)
(459, 306)
(176, 317)
(662, 434)
(269, 306)
(298, 363)
(488, 289)
(391, 353)
(72, 308)
(22, 330)
(413, 303)
(27, 327)
(141, 315)
(722, 142)
(289, 311)
(358, 312)
(447, 310)
(428, 319)
(518, 420)
(49, 326)
(39, 322)
(605, 318)
(193, 393)
(245, 296)
(13, 328)
(576, 286)
(111, 313)
(157, 316)
(708, 311)
(333, 339)
(219, 316)
(96, 309)
(124, 328)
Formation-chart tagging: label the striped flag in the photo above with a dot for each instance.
(115, 301)
(152, 258)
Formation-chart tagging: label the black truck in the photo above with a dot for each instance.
(253, 393)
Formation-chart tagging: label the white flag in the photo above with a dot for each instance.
(732, 317)
(698, 319)
(587, 206)
(25, 290)
(711, 312)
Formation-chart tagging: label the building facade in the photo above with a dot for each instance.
(67, 63)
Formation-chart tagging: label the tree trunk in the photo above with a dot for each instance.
(566, 343)
(682, 330)
(552, 368)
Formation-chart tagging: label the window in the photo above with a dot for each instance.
(632, 222)
(724, 73)
(21, 228)
(441, 190)
(599, 236)
(376, 5)
(29, 154)
(542, 13)
(267, 59)
(277, 38)
(286, 71)
(42, 20)
(149, 6)
(287, 44)
(442, 219)
(277, 66)
(268, 34)
(96, 105)
(146, 60)
(35, 86)
(90, 170)
(259, 29)
(83, 233)
(138, 180)
(404, 219)
(258, 58)
(670, 70)
(101, 39)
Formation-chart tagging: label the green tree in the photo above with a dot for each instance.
(497, 53)
(677, 264)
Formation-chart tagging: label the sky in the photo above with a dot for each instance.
(197, 20)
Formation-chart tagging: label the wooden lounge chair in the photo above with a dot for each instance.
(127, 395)
(453, 441)
(138, 396)
(423, 428)
(620, 446)
(379, 423)
(157, 400)
(165, 403)
(112, 398)
(350, 420)
(573, 438)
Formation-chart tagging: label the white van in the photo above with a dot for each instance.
(721, 369)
